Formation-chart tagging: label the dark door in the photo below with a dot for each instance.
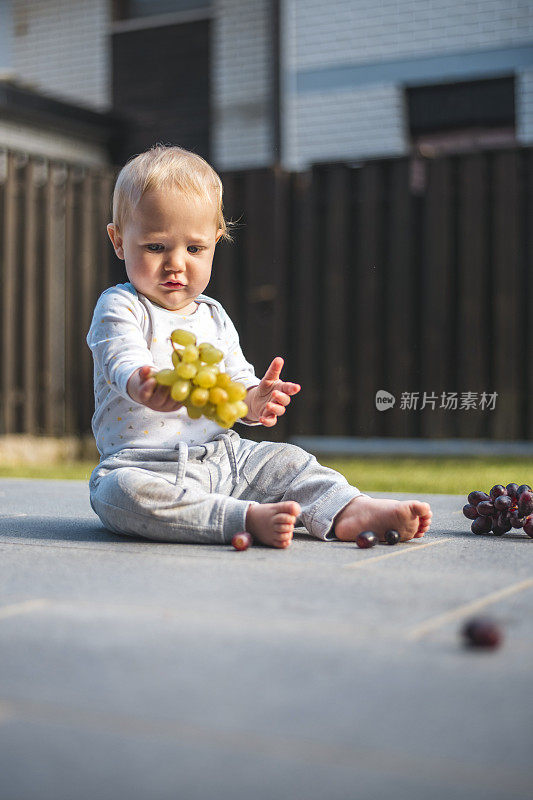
(161, 87)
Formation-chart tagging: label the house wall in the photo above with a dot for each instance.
(241, 84)
(43, 142)
(524, 102)
(61, 48)
(6, 16)
(345, 66)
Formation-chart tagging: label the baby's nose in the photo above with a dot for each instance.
(175, 260)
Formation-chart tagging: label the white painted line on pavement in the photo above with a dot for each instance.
(400, 552)
(22, 608)
(436, 622)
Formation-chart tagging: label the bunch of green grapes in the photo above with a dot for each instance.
(197, 382)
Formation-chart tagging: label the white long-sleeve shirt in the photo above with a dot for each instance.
(129, 331)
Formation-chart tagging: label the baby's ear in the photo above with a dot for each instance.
(116, 239)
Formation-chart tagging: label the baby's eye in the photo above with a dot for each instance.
(154, 248)
(192, 248)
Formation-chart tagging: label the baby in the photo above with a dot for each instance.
(166, 476)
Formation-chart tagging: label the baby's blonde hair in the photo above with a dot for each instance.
(165, 166)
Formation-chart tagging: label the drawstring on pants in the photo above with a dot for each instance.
(183, 455)
(231, 455)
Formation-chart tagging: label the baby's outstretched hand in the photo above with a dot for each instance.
(143, 388)
(267, 401)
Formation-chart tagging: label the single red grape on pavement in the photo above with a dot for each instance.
(241, 541)
(392, 537)
(482, 632)
(366, 539)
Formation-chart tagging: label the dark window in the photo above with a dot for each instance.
(488, 103)
(462, 116)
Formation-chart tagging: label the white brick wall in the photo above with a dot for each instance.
(5, 36)
(366, 120)
(331, 126)
(359, 31)
(524, 106)
(241, 84)
(61, 48)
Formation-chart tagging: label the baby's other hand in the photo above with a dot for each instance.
(269, 399)
(144, 389)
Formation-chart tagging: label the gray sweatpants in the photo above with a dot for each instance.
(201, 493)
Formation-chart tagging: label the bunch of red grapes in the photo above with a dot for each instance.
(505, 507)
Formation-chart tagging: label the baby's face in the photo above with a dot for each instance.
(168, 245)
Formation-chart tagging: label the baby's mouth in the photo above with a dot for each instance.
(173, 284)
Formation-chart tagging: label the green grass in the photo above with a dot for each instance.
(431, 475)
(67, 470)
(414, 475)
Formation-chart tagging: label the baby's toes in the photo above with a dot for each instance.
(424, 522)
(419, 508)
(286, 532)
(285, 519)
(289, 508)
(284, 527)
(423, 526)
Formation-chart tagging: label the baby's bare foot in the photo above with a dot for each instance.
(411, 518)
(272, 523)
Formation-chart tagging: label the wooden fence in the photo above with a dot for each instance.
(55, 262)
(413, 278)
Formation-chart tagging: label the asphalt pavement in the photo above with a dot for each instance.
(149, 671)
